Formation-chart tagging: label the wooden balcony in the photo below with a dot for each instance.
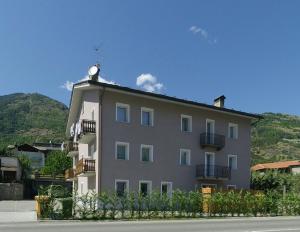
(69, 174)
(212, 140)
(85, 167)
(213, 172)
(88, 126)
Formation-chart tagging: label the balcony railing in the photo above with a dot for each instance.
(69, 174)
(88, 126)
(72, 146)
(84, 166)
(212, 172)
(212, 140)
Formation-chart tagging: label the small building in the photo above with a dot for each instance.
(10, 169)
(292, 166)
(36, 156)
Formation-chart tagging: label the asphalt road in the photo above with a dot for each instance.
(278, 224)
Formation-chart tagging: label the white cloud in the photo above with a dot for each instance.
(203, 33)
(68, 85)
(149, 83)
(200, 30)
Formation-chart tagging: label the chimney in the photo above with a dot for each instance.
(220, 101)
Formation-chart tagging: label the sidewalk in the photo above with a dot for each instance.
(17, 211)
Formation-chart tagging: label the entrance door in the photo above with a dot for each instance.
(210, 130)
(209, 164)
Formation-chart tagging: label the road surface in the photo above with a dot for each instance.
(278, 224)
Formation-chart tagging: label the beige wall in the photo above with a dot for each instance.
(167, 139)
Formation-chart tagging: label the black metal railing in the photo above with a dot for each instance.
(71, 146)
(88, 126)
(213, 172)
(212, 140)
(84, 165)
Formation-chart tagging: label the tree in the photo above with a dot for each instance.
(25, 165)
(56, 163)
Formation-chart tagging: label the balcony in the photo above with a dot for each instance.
(212, 140)
(69, 174)
(85, 167)
(72, 148)
(213, 172)
(88, 131)
(88, 126)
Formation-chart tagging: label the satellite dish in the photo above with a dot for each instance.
(94, 72)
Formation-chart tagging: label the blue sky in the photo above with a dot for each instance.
(247, 50)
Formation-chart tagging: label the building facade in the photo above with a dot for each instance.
(124, 139)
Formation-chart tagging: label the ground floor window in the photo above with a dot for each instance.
(145, 187)
(231, 187)
(121, 187)
(166, 188)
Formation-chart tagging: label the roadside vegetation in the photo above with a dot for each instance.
(58, 204)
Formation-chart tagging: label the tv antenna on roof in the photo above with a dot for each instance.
(97, 51)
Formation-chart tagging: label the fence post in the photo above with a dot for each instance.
(206, 193)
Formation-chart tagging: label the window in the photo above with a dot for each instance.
(122, 112)
(92, 150)
(166, 188)
(93, 114)
(232, 131)
(145, 187)
(209, 164)
(146, 153)
(186, 123)
(122, 151)
(231, 187)
(121, 187)
(232, 162)
(147, 116)
(185, 157)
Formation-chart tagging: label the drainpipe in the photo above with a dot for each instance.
(100, 140)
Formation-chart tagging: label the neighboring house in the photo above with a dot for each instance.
(48, 147)
(36, 157)
(292, 166)
(10, 169)
(126, 139)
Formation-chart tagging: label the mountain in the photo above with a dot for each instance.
(31, 118)
(276, 137)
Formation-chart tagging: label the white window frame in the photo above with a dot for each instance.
(147, 182)
(236, 161)
(127, 106)
(127, 150)
(188, 158)
(168, 183)
(151, 111)
(190, 118)
(120, 180)
(151, 153)
(213, 123)
(231, 185)
(213, 164)
(235, 131)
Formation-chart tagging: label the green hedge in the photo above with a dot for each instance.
(181, 205)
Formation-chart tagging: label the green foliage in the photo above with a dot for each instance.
(25, 166)
(136, 206)
(28, 118)
(275, 138)
(274, 180)
(56, 163)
